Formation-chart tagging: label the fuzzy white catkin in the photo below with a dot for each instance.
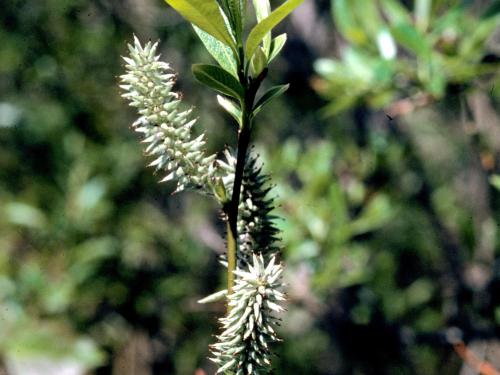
(243, 348)
(165, 129)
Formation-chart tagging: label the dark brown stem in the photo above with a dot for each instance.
(251, 86)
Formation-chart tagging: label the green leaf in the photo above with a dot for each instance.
(220, 52)
(409, 37)
(220, 190)
(224, 4)
(276, 46)
(206, 15)
(368, 17)
(473, 44)
(270, 94)
(233, 11)
(375, 214)
(262, 11)
(237, 8)
(23, 214)
(218, 79)
(258, 62)
(495, 181)
(346, 23)
(433, 76)
(395, 12)
(262, 28)
(230, 107)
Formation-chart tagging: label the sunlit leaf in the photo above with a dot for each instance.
(276, 46)
(230, 107)
(262, 28)
(220, 52)
(262, 11)
(258, 62)
(495, 181)
(206, 15)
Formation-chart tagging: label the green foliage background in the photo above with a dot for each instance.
(390, 215)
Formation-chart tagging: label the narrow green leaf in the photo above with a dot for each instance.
(262, 28)
(343, 14)
(409, 37)
(230, 107)
(224, 4)
(233, 12)
(258, 62)
(237, 15)
(218, 79)
(220, 52)
(395, 12)
(262, 11)
(368, 17)
(473, 44)
(270, 94)
(276, 46)
(433, 76)
(206, 15)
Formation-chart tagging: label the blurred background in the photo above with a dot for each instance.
(385, 153)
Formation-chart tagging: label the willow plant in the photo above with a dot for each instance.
(235, 181)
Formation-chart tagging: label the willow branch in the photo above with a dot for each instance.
(244, 134)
